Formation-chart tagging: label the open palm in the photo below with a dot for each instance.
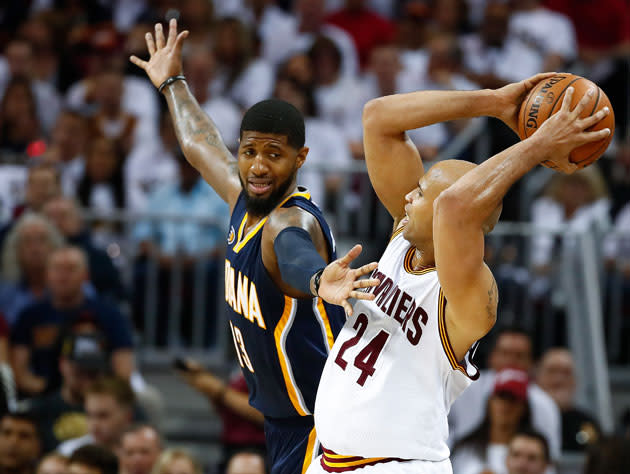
(339, 282)
(165, 54)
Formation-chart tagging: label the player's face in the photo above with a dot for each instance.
(419, 212)
(267, 169)
(526, 456)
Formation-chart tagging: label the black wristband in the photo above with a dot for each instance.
(169, 81)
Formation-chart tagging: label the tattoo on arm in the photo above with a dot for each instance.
(493, 297)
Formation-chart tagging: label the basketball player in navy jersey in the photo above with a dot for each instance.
(278, 247)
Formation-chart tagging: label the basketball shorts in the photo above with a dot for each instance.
(328, 463)
(291, 444)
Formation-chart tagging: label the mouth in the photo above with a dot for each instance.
(258, 186)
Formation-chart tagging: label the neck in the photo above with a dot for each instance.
(70, 397)
(67, 302)
(36, 282)
(423, 259)
(501, 434)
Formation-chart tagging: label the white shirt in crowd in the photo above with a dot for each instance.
(227, 117)
(12, 183)
(469, 409)
(466, 460)
(254, 84)
(68, 447)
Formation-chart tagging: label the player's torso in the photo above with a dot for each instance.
(390, 376)
(281, 342)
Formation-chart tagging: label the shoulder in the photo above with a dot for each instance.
(293, 216)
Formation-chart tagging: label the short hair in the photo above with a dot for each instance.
(136, 427)
(96, 457)
(44, 166)
(116, 387)
(72, 248)
(52, 455)
(532, 434)
(170, 455)
(510, 329)
(275, 116)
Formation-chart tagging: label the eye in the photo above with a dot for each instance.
(273, 154)
(249, 152)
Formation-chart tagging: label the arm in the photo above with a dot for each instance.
(25, 380)
(198, 136)
(393, 162)
(470, 205)
(123, 363)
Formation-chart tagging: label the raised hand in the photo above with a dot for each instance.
(165, 55)
(509, 98)
(565, 130)
(339, 282)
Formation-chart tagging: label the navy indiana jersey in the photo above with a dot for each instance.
(281, 342)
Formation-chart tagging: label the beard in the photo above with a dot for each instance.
(262, 206)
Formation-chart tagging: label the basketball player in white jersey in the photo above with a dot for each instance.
(403, 357)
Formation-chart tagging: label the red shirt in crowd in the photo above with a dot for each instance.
(366, 28)
(237, 430)
(599, 24)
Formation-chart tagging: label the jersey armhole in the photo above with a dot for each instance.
(465, 366)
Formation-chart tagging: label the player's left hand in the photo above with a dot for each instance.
(339, 282)
(508, 99)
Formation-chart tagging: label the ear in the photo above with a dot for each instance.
(301, 156)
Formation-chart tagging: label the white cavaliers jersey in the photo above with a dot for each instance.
(391, 375)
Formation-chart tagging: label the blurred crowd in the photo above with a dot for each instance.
(99, 208)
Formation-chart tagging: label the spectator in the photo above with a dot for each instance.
(40, 32)
(20, 445)
(242, 423)
(19, 124)
(140, 449)
(111, 119)
(512, 348)
(19, 56)
(67, 148)
(240, 76)
(198, 17)
(7, 384)
(61, 414)
(65, 214)
(367, 28)
(556, 376)
(151, 166)
(531, 49)
(200, 66)
(528, 453)
(109, 407)
(246, 463)
(507, 412)
(177, 461)
(91, 459)
(53, 463)
(610, 454)
(180, 244)
(40, 326)
(102, 188)
(24, 255)
(327, 146)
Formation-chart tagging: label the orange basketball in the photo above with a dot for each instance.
(546, 99)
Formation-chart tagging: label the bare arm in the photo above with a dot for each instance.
(198, 136)
(25, 380)
(393, 162)
(463, 209)
(123, 363)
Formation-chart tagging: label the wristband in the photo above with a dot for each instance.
(169, 81)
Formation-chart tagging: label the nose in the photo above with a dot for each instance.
(259, 167)
(409, 196)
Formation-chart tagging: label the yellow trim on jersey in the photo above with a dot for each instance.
(241, 243)
(397, 232)
(408, 264)
(310, 447)
(446, 343)
(321, 309)
(290, 305)
(358, 462)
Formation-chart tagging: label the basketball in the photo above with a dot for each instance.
(546, 99)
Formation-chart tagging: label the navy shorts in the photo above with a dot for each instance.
(291, 444)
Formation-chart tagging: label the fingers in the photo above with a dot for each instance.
(351, 255)
(593, 119)
(150, 43)
(532, 81)
(347, 308)
(179, 42)
(587, 137)
(138, 62)
(172, 32)
(361, 295)
(579, 108)
(367, 283)
(566, 101)
(159, 36)
(365, 269)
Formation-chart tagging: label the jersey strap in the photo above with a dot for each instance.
(333, 462)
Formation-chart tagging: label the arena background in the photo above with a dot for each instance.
(154, 234)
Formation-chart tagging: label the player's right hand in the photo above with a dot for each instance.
(165, 55)
(565, 131)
